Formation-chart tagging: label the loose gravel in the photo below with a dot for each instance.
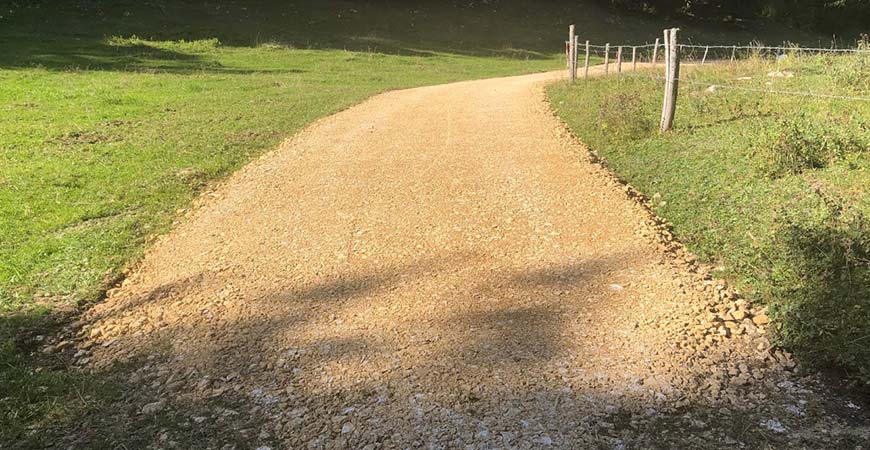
(448, 267)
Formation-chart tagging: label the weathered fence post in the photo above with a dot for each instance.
(733, 53)
(586, 66)
(655, 53)
(576, 55)
(672, 77)
(619, 59)
(571, 52)
(607, 59)
(567, 54)
(706, 50)
(634, 59)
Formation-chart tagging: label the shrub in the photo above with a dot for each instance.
(793, 145)
(818, 284)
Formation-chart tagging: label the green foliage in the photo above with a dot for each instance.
(794, 144)
(824, 15)
(818, 283)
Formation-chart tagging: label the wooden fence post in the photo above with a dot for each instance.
(567, 54)
(672, 76)
(607, 59)
(586, 66)
(634, 59)
(704, 59)
(655, 53)
(576, 55)
(571, 52)
(619, 59)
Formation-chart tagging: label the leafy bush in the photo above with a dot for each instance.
(818, 283)
(795, 144)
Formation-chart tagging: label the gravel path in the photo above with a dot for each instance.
(446, 267)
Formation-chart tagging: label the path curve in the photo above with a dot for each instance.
(445, 267)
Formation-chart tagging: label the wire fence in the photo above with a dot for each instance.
(624, 59)
(713, 85)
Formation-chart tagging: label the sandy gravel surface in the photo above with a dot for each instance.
(446, 267)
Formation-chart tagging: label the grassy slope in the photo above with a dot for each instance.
(765, 229)
(115, 114)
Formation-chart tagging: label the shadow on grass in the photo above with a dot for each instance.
(63, 35)
(96, 54)
(818, 284)
(60, 35)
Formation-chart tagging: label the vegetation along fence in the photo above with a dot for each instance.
(673, 53)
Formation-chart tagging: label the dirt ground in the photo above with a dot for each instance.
(447, 267)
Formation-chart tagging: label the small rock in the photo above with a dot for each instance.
(795, 410)
(544, 440)
(781, 74)
(760, 319)
(347, 428)
(154, 407)
(773, 425)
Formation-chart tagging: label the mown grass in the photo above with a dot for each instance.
(771, 188)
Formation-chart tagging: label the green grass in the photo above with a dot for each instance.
(772, 189)
(114, 115)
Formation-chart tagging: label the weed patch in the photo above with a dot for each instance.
(792, 145)
(84, 138)
(818, 282)
(852, 75)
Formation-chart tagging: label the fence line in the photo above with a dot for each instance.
(672, 55)
(750, 89)
(739, 47)
(764, 47)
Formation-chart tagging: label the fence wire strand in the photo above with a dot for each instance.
(764, 47)
(602, 51)
(751, 89)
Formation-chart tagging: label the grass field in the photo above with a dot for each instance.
(116, 114)
(770, 188)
